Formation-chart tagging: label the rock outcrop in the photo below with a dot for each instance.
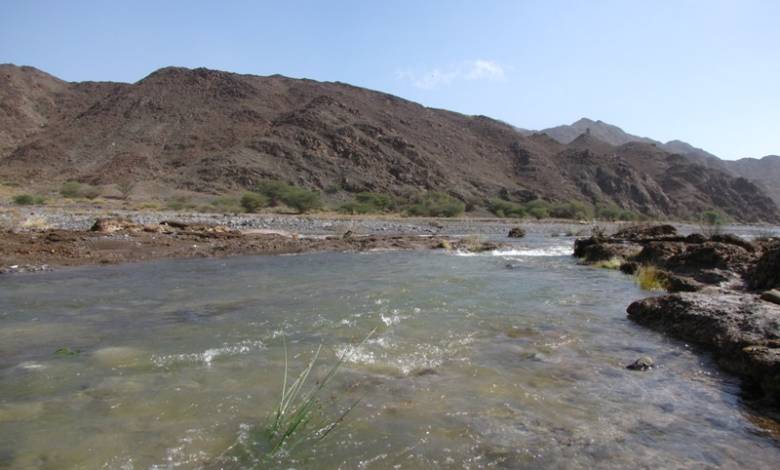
(717, 298)
(741, 330)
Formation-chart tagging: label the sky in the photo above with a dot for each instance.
(703, 71)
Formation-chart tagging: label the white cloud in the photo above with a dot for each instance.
(473, 70)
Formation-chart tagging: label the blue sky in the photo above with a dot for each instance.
(707, 72)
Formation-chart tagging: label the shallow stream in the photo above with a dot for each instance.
(514, 359)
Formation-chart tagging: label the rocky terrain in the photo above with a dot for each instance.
(723, 296)
(210, 131)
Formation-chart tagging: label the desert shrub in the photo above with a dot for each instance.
(538, 209)
(711, 222)
(502, 208)
(436, 204)
(650, 278)
(74, 189)
(382, 202)
(571, 210)
(612, 212)
(301, 199)
(251, 201)
(274, 190)
(178, 203)
(369, 203)
(28, 200)
(279, 192)
(225, 204)
(70, 189)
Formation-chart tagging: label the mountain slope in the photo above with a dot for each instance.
(213, 131)
(765, 171)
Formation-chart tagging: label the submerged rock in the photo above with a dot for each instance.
(742, 331)
(643, 363)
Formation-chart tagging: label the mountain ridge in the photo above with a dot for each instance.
(214, 131)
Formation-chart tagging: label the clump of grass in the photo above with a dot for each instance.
(650, 278)
(297, 420)
(612, 263)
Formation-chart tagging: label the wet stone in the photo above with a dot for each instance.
(643, 363)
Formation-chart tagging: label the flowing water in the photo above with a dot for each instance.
(501, 360)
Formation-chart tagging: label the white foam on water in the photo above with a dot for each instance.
(558, 250)
(207, 357)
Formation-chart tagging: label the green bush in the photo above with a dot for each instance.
(574, 210)
(28, 200)
(502, 208)
(301, 199)
(538, 209)
(711, 222)
(612, 212)
(273, 190)
(251, 202)
(382, 202)
(369, 203)
(712, 217)
(436, 205)
(294, 197)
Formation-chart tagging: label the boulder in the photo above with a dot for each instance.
(643, 363)
(516, 232)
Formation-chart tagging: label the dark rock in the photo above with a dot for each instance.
(741, 331)
(730, 239)
(591, 250)
(629, 267)
(658, 253)
(765, 274)
(644, 232)
(677, 283)
(695, 238)
(516, 232)
(643, 363)
(710, 255)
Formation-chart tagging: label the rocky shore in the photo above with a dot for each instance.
(722, 294)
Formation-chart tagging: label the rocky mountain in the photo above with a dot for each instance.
(765, 171)
(213, 131)
(762, 171)
(602, 131)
